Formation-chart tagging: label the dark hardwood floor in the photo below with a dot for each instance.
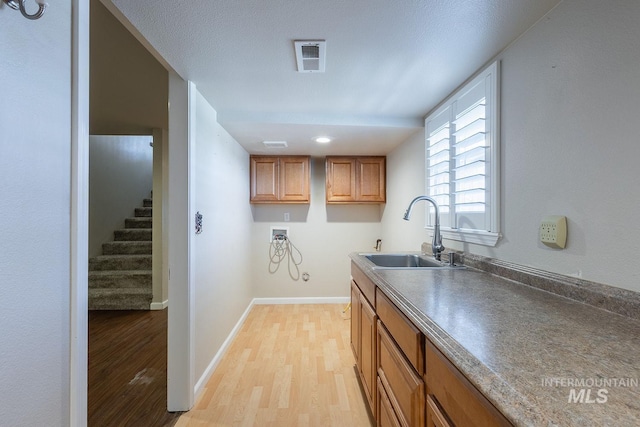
(128, 369)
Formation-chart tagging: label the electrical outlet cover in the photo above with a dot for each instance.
(553, 231)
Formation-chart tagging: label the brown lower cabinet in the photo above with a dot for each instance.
(386, 416)
(402, 384)
(407, 381)
(368, 350)
(435, 417)
(453, 398)
(363, 337)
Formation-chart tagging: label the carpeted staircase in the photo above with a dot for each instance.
(120, 278)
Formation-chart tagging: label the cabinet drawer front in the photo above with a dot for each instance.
(408, 337)
(403, 385)
(459, 399)
(367, 287)
(386, 416)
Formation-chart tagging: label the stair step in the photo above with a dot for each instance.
(137, 234)
(120, 262)
(138, 222)
(127, 247)
(117, 299)
(143, 212)
(121, 279)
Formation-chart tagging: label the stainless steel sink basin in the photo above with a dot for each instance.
(407, 261)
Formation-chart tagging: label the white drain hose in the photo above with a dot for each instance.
(281, 248)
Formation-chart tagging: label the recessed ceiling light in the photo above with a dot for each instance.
(322, 139)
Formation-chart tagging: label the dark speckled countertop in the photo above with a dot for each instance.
(524, 348)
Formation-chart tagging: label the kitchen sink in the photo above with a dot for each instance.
(406, 261)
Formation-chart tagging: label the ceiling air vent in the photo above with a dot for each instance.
(310, 55)
(275, 144)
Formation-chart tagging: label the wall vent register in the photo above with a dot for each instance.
(310, 55)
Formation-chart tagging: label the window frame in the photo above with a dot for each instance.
(491, 75)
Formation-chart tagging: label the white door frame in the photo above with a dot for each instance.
(79, 238)
(181, 225)
(180, 369)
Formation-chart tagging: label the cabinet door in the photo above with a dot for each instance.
(404, 386)
(368, 351)
(264, 179)
(340, 180)
(386, 416)
(435, 417)
(294, 179)
(355, 322)
(371, 179)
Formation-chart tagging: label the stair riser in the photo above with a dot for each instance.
(120, 263)
(137, 223)
(119, 302)
(121, 281)
(127, 248)
(147, 203)
(143, 212)
(133, 234)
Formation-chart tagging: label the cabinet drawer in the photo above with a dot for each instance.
(408, 337)
(367, 287)
(458, 398)
(402, 384)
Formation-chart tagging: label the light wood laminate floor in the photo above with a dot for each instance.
(290, 365)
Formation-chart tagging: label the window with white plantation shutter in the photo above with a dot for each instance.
(462, 161)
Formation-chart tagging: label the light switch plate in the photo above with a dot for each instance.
(553, 231)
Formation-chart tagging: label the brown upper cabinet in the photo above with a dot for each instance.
(280, 179)
(356, 180)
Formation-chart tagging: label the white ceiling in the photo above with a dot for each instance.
(388, 63)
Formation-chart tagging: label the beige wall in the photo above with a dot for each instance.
(324, 234)
(120, 177)
(221, 252)
(569, 145)
(405, 180)
(128, 87)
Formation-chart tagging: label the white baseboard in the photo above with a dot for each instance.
(159, 305)
(199, 387)
(302, 300)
